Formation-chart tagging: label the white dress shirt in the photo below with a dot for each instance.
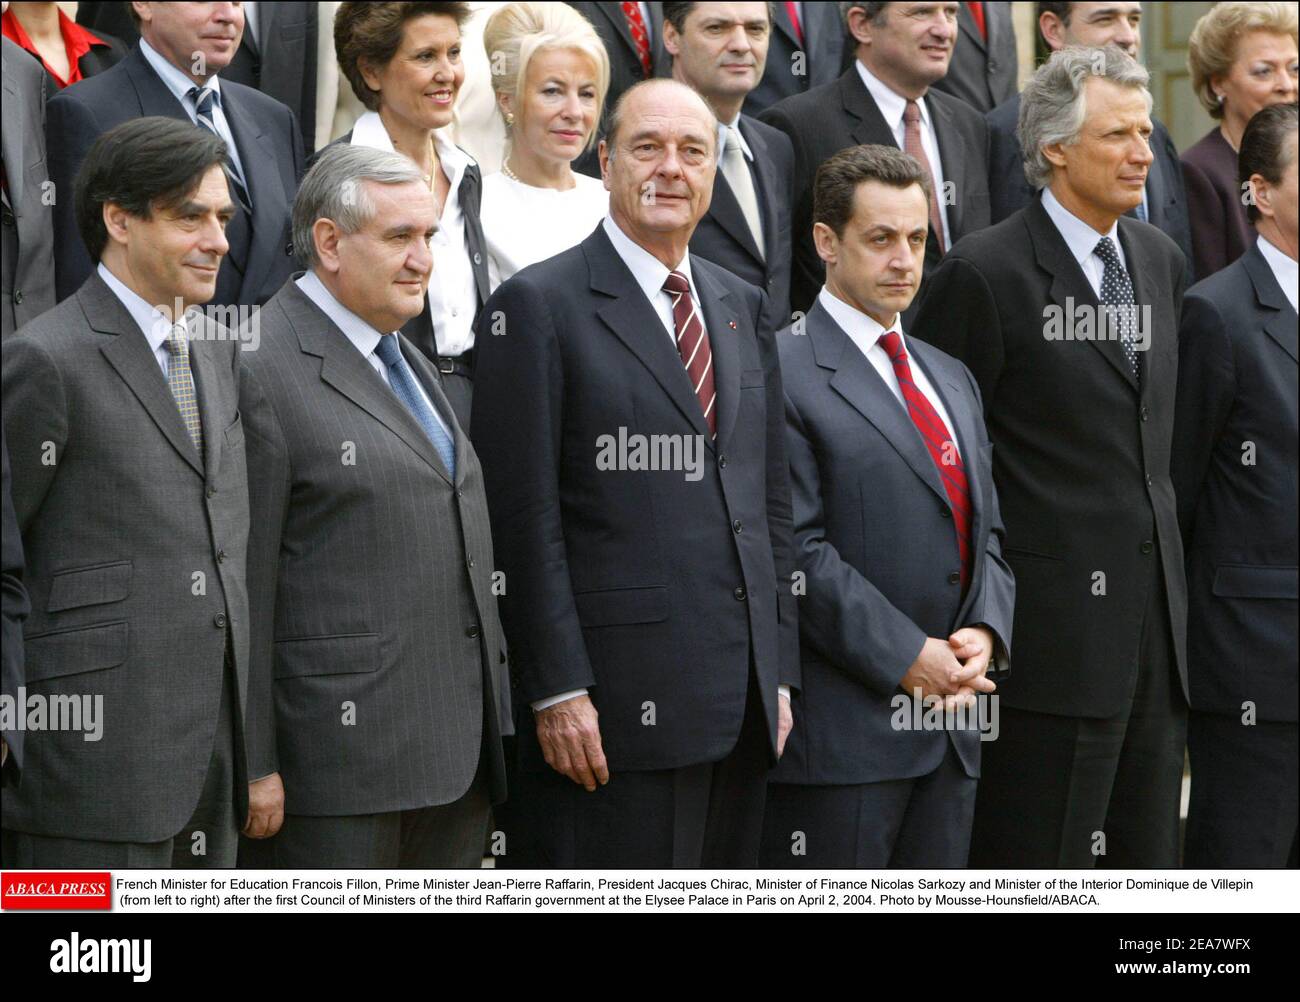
(892, 105)
(453, 296)
(180, 84)
(153, 325)
(1082, 240)
(363, 337)
(523, 225)
(866, 333)
(1284, 269)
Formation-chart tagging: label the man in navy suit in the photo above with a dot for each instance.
(719, 49)
(908, 601)
(173, 72)
(630, 425)
(1234, 468)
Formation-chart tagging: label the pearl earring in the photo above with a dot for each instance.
(510, 119)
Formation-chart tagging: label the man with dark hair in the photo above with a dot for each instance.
(1164, 200)
(1234, 467)
(984, 63)
(719, 49)
(908, 602)
(886, 98)
(173, 72)
(129, 485)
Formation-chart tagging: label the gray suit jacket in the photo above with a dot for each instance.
(378, 657)
(27, 257)
(135, 565)
(983, 72)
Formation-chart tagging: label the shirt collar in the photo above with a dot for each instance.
(861, 329)
(724, 138)
(1285, 269)
(890, 102)
(647, 269)
(363, 337)
(176, 81)
(369, 131)
(1081, 238)
(152, 323)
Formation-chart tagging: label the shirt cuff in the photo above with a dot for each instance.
(783, 690)
(542, 704)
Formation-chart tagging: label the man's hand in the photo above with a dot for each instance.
(570, 740)
(784, 722)
(265, 807)
(933, 671)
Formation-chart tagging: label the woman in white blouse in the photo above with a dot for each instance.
(550, 73)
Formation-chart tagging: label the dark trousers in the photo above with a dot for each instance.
(1242, 813)
(923, 821)
(706, 815)
(209, 839)
(1079, 792)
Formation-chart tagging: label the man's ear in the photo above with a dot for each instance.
(1055, 154)
(1053, 30)
(325, 234)
(1262, 192)
(115, 222)
(826, 242)
(672, 40)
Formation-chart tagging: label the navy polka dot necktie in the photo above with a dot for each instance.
(1117, 293)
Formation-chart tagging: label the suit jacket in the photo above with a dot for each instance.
(874, 537)
(283, 64)
(793, 68)
(1167, 199)
(1221, 229)
(625, 67)
(371, 582)
(27, 255)
(983, 73)
(660, 594)
(723, 236)
(135, 548)
(270, 149)
(841, 114)
(13, 612)
(1237, 384)
(1081, 458)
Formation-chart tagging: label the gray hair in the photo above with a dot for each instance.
(333, 189)
(1052, 105)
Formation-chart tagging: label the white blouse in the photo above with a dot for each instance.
(523, 225)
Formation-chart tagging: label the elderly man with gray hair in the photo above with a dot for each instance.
(378, 658)
(1067, 314)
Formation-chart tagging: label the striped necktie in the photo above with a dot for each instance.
(204, 99)
(693, 346)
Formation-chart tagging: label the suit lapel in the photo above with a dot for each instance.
(428, 378)
(15, 154)
(871, 127)
(723, 327)
(259, 157)
(725, 210)
(204, 364)
(154, 96)
(768, 183)
(951, 155)
(966, 24)
(1281, 326)
(1144, 274)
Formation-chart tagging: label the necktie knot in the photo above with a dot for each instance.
(1105, 250)
(676, 284)
(388, 350)
(178, 343)
(203, 98)
(892, 342)
(733, 143)
(911, 113)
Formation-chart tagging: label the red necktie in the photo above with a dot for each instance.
(636, 25)
(693, 345)
(792, 9)
(977, 13)
(942, 446)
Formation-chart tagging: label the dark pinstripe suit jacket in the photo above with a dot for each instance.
(378, 657)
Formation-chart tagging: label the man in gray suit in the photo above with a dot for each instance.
(378, 657)
(983, 68)
(27, 256)
(129, 486)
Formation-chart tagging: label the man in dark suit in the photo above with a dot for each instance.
(378, 659)
(984, 63)
(27, 255)
(634, 42)
(807, 49)
(1234, 466)
(719, 49)
(654, 590)
(139, 609)
(897, 533)
(172, 72)
(1067, 315)
(885, 99)
(14, 611)
(1164, 201)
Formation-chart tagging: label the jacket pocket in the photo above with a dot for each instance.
(71, 652)
(1035, 553)
(1256, 581)
(94, 585)
(622, 606)
(235, 433)
(347, 654)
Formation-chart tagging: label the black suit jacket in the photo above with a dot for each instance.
(270, 150)
(792, 68)
(660, 590)
(723, 236)
(983, 73)
(1081, 455)
(13, 612)
(841, 114)
(873, 531)
(1009, 191)
(1234, 465)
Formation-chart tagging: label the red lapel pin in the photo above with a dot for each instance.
(731, 324)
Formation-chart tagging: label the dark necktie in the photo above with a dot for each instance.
(1117, 293)
(693, 345)
(204, 98)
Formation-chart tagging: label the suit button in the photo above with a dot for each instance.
(288, 249)
(221, 556)
(1148, 546)
(211, 491)
(944, 512)
(478, 259)
(722, 462)
(740, 594)
(459, 493)
(471, 561)
(736, 526)
(18, 296)
(1144, 413)
(472, 632)
(954, 578)
(1148, 479)
(219, 621)
(514, 683)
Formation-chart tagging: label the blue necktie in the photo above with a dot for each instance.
(402, 380)
(204, 98)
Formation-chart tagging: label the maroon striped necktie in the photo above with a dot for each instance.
(693, 346)
(640, 37)
(942, 446)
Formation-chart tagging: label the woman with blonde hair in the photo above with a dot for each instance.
(550, 73)
(1243, 58)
